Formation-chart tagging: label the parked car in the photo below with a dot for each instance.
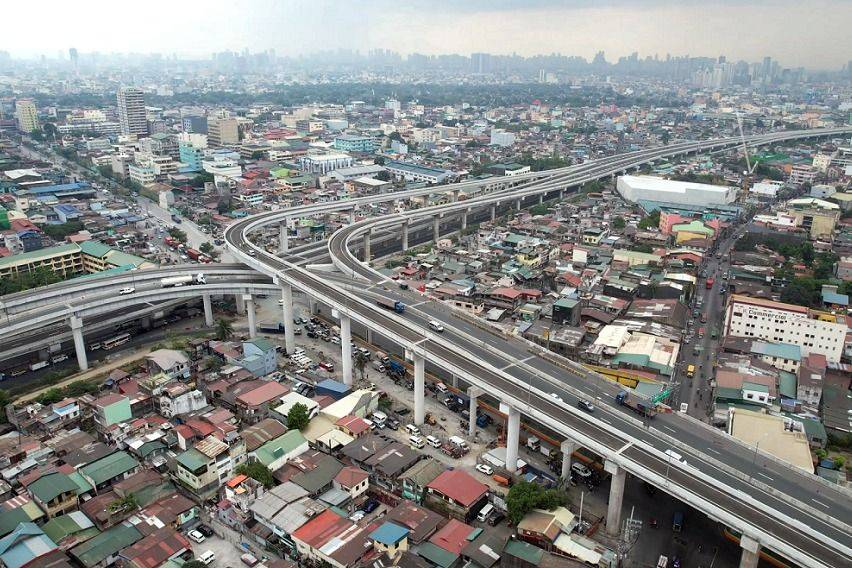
(370, 505)
(583, 404)
(484, 469)
(205, 530)
(196, 536)
(496, 518)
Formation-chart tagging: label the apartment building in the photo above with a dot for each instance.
(26, 115)
(223, 132)
(211, 463)
(813, 332)
(131, 111)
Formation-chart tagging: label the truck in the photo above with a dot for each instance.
(533, 444)
(391, 304)
(709, 283)
(271, 327)
(194, 254)
(173, 243)
(638, 406)
(177, 281)
(395, 368)
(460, 443)
(39, 365)
(690, 371)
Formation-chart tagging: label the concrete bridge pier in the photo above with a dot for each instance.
(419, 390)
(494, 211)
(346, 348)
(464, 219)
(405, 235)
(208, 310)
(252, 323)
(751, 552)
(540, 198)
(241, 305)
(513, 436)
(436, 228)
(567, 448)
(518, 204)
(287, 305)
(367, 251)
(473, 393)
(79, 343)
(616, 497)
(283, 238)
(352, 216)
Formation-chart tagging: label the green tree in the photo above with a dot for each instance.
(60, 231)
(177, 234)
(297, 417)
(258, 472)
(619, 223)
(525, 496)
(652, 220)
(360, 363)
(224, 329)
(201, 178)
(807, 253)
(213, 363)
(206, 248)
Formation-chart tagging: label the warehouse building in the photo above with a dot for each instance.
(636, 189)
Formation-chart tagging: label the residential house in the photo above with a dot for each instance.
(55, 493)
(457, 493)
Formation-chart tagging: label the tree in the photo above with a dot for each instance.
(525, 496)
(201, 178)
(60, 231)
(360, 363)
(177, 234)
(297, 417)
(206, 248)
(807, 253)
(619, 223)
(258, 472)
(224, 329)
(652, 220)
(213, 363)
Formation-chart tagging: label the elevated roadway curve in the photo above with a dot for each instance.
(725, 491)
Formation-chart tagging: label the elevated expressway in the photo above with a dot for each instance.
(790, 515)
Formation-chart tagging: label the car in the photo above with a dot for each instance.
(484, 468)
(196, 536)
(673, 455)
(252, 253)
(370, 505)
(495, 518)
(125, 291)
(436, 326)
(207, 557)
(555, 397)
(581, 470)
(392, 423)
(205, 530)
(583, 404)
(357, 516)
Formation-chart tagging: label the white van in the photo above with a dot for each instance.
(416, 442)
(459, 443)
(433, 441)
(485, 512)
(441, 388)
(412, 430)
(380, 419)
(207, 557)
(675, 456)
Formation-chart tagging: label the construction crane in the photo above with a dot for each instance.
(748, 173)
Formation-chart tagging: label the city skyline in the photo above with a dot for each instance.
(740, 30)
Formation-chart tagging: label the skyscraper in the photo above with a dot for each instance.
(26, 115)
(131, 111)
(73, 56)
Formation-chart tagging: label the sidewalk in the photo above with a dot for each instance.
(103, 368)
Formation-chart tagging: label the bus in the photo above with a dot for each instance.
(116, 341)
(690, 371)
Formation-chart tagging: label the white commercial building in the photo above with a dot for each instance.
(500, 137)
(324, 163)
(813, 332)
(131, 111)
(767, 188)
(650, 188)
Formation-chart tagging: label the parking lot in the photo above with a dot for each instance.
(227, 554)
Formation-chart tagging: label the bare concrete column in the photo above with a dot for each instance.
(346, 348)
(405, 235)
(464, 220)
(540, 198)
(616, 497)
(419, 390)
(252, 323)
(287, 305)
(493, 212)
(518, 204)
(241, 305)
(473, 393)
(513, 435)
(436, 228)
(751, 552)
(79, 343)
(567, 448)
(283, 238)
(312, 306)
(352, 216)
(208, 310)
(367, 251)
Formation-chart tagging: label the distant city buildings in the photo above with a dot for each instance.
(223, 132)
(131, 111)
(26, 115)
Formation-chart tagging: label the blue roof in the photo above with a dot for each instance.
(389, 534)
(835, 298)
(58, 187)
(23, 545)
(778, 350)
(332, 385)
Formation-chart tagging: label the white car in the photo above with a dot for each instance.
(675, 456)
(125, 291)
(436, 326)
(483, 468)
(195, 536)
(581, 470)
(556, 397)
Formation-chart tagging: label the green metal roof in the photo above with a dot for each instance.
(192, 459)
(284, 444)
(95, 248)
(437, 555)
(83, 485)
(96, 550)
(39, 254)
(49, 486)
(262, 343)
(109, 466)
(524, 551)
(63, 526)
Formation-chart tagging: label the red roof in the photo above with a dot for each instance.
(353, 424)
(459, 486)
(264, 393)
(322, 528)
(351, 476)
(201, 428)
(453, 537)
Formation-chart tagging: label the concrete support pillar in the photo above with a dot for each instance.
(367, 251)
(616, 496)
(455, 195)
(241, 305)
(513, 435)
(751, 552)
(283, 239)
(405, 235)
(419, 390)
(540, 198)
(493, 212)
(561, 193)
(454, 380)
(79, 344)
(312, 306)
(518, 204)
(369, 336)
(436, 228)
(346, 348)
(567, 448)
(252, 324)
(287, 305)
(208, 310)
(464, 220)
(352, 216)
(473, 393)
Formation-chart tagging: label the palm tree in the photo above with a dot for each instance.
(360, 363)
(224, 329)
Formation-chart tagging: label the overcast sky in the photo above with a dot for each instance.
(810, 33)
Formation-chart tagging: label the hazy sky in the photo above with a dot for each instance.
(811, 33)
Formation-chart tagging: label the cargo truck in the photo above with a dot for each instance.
(390, 304)
(636, 405)
(177, 281)
(193, 254)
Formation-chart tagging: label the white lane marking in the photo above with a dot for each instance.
(764, 475)
(820, 503)
(672, 430)
(419, 303)
(507, 366)
(714, 451)
(598, 398)
(605, 420)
